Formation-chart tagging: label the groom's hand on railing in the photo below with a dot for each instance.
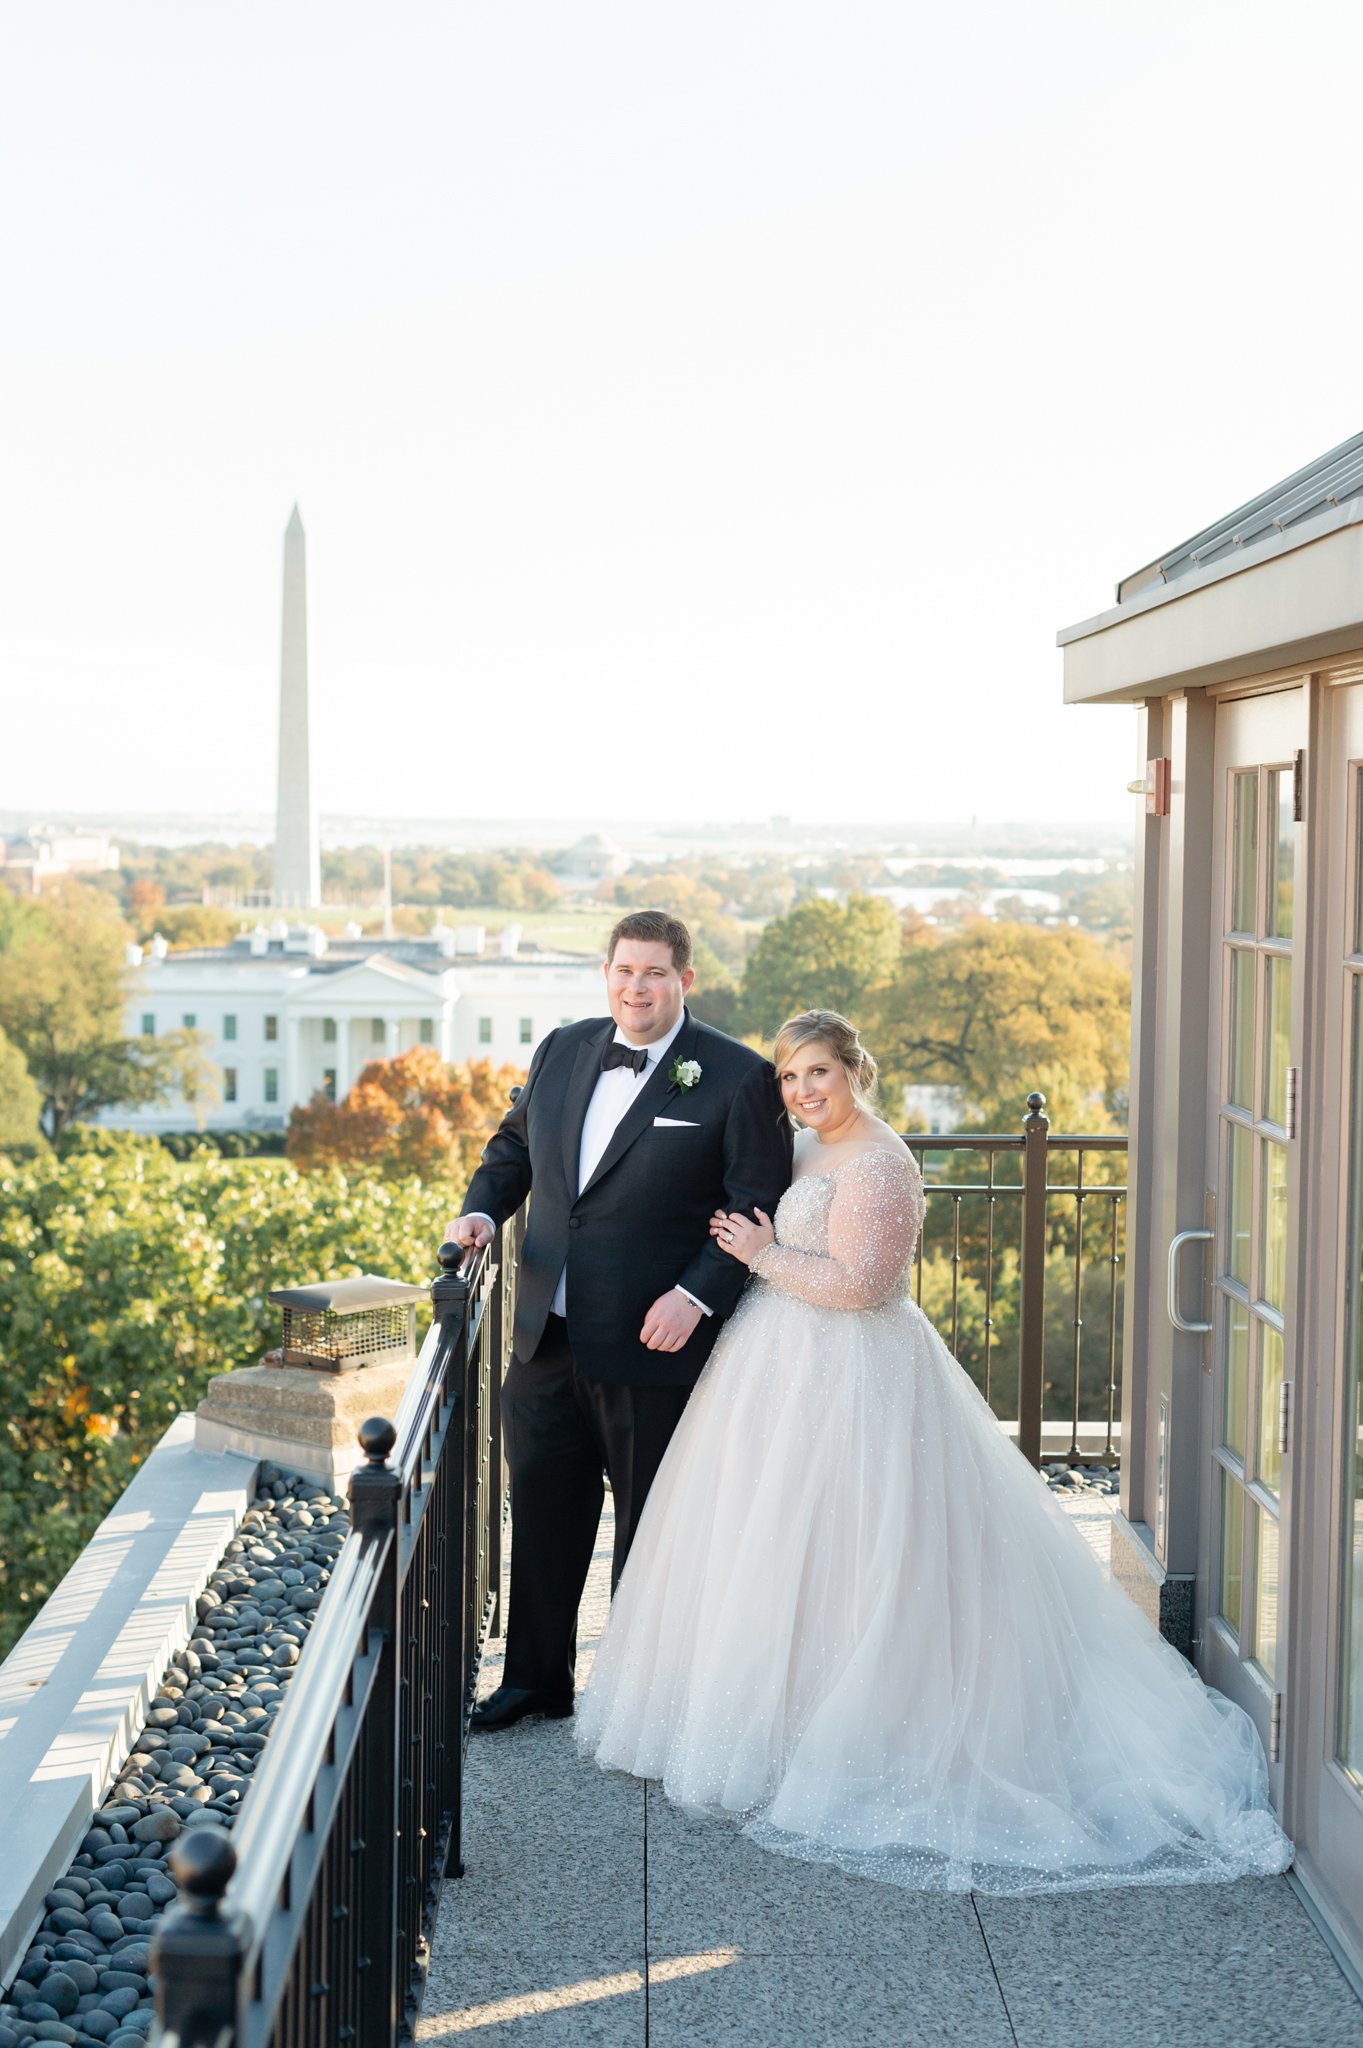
(472, 1232)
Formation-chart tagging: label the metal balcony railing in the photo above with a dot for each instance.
(1039, 1261)
(309, 1925)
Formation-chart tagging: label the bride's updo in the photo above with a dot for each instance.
(826, 1027)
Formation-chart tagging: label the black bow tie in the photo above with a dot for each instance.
(618, 1055)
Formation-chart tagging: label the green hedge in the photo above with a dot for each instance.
(127, 1278)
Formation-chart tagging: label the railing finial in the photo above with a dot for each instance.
(202, 1862)
(1036, 1103)
(377, 1437)
(198, 1952)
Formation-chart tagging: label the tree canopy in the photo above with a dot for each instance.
(62, 991)
(20, 1103)
(413, 1114)
(820, 956)
(999, 1009)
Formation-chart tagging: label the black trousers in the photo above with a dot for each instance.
(562, 1432)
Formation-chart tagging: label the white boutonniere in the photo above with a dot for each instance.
(684, 1073)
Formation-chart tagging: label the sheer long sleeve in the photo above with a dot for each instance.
(873, 1224)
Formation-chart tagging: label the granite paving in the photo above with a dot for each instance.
(592, 1911)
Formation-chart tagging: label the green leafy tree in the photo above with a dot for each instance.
(62, 992)
(20, 1103)
(822, 956)
(999, 1009)
(127, 1278)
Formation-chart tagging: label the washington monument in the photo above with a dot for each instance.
(297, 862)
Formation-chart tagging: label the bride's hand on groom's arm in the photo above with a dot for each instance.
(738, 1235)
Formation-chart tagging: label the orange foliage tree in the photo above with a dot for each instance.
(413, 1114)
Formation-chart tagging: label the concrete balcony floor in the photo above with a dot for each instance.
(593, 1912)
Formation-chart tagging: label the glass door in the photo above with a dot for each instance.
(1252, 1085)
(1330, 1822)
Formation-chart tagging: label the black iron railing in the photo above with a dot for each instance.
(1042, 1259)
(309, 1926)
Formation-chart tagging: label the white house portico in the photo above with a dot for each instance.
(286, 1012)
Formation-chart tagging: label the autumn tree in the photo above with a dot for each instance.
(999, 1009)
(63, 984)
(820, 956)
(416, 1114)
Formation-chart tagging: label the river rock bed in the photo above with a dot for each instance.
(85, 1978)
(1083, 1478)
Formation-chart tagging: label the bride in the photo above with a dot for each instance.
(854, 1616)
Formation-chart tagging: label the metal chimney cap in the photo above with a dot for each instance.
(347, 1297)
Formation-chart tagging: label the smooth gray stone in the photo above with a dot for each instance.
(60, 1896)
(84, 1976)
(135, 1908)
(59, 1991)
(161, 1826)
(159, 1888)
(66, 1918)
(122, 1980)
(37, 2010)
(54, 2030)
(99, 2024)
(105, 1924)
(121, 2002)
(118, 1816)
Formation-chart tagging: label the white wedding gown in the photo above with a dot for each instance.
(854, 1616)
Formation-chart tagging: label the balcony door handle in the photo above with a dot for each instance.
(1176, 1244)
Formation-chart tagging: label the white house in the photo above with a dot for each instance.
(287, 1011)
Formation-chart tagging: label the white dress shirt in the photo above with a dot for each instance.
(610, 1100)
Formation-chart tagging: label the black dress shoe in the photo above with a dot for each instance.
(511, 1703)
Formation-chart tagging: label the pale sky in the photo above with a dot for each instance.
(695, 412)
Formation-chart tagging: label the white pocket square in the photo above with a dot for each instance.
(677, 1123)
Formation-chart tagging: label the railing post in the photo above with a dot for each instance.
(450, 1304)
(198, 1950)
(1035, 1130)
(375, 1497)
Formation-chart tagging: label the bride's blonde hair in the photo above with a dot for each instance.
(826, 1027)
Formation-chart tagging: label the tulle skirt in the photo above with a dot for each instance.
(854, 1617)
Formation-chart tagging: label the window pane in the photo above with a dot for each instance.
(527, 1031)
(1238, 1158)
(148, 1024)
(229, 1026)
(1240, 1078)
(485, 1031)
(378, 1031)
(1270, 1394)
(272, 1084)
(328, 1031)
(1280, 902)
(1266, 1596)
(1237, 1374)
(1273, 1232)
(1278, 1023)
(1245, 854)
(1232, 1548)
(271, 1029)
(229, 1084)
(1351, 1618)
(190, 1020)
(428, 1031)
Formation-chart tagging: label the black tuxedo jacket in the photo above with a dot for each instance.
(641, 1224)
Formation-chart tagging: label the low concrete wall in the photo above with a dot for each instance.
(75, 1689)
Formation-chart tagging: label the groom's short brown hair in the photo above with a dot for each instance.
(655, 928)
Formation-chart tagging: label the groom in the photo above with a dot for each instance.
(630, 1131)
